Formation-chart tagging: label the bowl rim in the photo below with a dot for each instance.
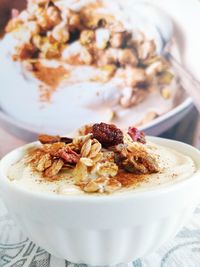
(184, 105)
(153, 192)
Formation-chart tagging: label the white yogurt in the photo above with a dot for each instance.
(174, 167)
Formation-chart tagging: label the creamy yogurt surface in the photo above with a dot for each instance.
(173, 167)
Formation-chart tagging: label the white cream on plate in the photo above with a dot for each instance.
(87, 101)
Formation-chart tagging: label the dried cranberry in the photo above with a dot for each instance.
(136, 135)
(107, 134)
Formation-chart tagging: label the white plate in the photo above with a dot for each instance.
(156, 127)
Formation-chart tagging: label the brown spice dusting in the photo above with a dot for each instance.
(51, 77)
(130, 179)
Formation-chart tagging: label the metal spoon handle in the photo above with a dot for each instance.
(188, 82)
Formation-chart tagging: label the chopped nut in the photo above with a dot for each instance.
(125, 100)
(54, 169)
(154, 69)
(117, 39)
(135, 77)
(52, 149)
(165, 92)
(110, 56)
(44, 163)
(86, 57)
(14, 24)
(60, 33)
(107, 134)
(108, 72)
(165, 77)
(74, 21)
(48, 139)
(87, 37)
(138, 96)
(107, 169)
(135, 159)
(26, 51)
(127, 57)
(53, 14)
(146, 50)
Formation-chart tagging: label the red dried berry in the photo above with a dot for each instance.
(107, 134)
(136, 135)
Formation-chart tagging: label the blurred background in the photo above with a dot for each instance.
(180, 123)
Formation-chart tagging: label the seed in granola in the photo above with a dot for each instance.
(107, 134)
(136, 135)
(54, 169)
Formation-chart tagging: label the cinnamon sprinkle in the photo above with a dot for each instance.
(51, 77)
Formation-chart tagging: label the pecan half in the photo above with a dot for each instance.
(68, 155)
(50, 139)
(107, 134)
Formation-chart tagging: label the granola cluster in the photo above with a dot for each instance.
(91, 37)
(95, 159)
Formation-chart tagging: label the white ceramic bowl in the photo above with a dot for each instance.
(103, 230)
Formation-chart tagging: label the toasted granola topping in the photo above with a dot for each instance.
(96, 158)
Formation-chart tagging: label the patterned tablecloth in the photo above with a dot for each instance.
(18, 251)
